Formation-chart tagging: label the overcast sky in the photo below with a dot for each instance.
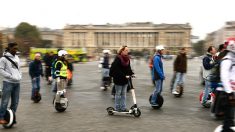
(204, 16)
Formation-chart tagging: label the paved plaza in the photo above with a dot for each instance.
(87, 105)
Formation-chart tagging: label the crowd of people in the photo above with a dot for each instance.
(218, 67)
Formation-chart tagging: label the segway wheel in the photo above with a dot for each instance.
(137, 113)
(37, 98)
(10, 118)
(210, 99)
(110, 110)
(59, 107)
(159, 101)
(180, 90)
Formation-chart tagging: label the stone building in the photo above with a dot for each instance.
(218, 37)
(137, 36)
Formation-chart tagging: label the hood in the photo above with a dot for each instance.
(8, 54)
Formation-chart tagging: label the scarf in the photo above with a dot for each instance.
(125, 59)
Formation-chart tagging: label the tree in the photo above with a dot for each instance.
(199, 47)
(27, 36)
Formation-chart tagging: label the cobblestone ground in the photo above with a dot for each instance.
(87, 105)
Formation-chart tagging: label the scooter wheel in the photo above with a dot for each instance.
(159, 101)
(110, 110)
(137, 113)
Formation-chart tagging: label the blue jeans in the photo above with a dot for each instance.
(35, 85)
(120, 97)
(179, 80)
(206, 90)
(10, 90)
(158, 90)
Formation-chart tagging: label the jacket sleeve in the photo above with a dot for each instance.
(207, 63)
(157, 67)
(224, 74)
(31, 69)
(2, 69)
(176, 62)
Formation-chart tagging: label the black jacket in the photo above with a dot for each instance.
(35, 69)
(119, 72)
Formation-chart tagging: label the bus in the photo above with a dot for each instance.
(76, 54)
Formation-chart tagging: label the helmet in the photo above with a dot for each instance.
(106, 51)
(231, 46)
(62, 52)
(160, 47)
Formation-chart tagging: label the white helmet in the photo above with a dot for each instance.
(62, 52)
(106, 51)
(231, 46)
(160, 47)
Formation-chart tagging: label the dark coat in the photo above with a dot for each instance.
(180, 63)
(119, 72)
(35, 69)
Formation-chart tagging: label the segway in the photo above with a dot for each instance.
(210, 99)
(220, 127)
(180, 90)
(134, 110)
(37, 96)
(62, 104)
(158, 101)
(10, 118)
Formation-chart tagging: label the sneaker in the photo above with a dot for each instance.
(175, 92)
(102, 88)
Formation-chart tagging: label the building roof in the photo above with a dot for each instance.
(135, 25)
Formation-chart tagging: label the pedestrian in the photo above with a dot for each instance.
(208, 63)
(35, 71)
(10, 70)
(180, 69)
(48, 59)
(227, 75)
(158, 75)
(105, 70)
(120, 71)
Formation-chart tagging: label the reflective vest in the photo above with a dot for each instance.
(63, 70)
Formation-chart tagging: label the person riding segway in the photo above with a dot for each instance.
(156, 100)
(60, 101)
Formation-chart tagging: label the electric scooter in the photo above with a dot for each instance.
(134, 110)
(60, 102)
(10, 118)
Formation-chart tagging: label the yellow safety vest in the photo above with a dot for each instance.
(63, 70)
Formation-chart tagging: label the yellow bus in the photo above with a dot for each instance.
(76, 54)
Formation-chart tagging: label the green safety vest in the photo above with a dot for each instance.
(63, 70)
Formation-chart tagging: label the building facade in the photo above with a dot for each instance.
(51, 38)
(137, 36)
(219, 36)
